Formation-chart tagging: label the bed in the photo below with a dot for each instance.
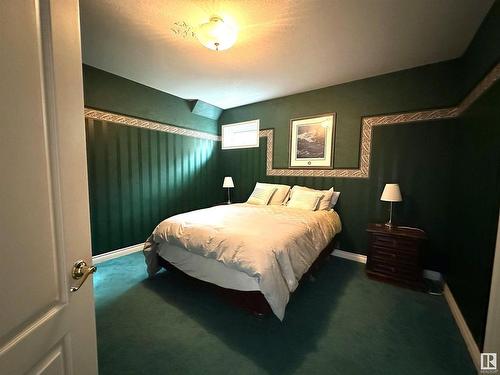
(257, 250)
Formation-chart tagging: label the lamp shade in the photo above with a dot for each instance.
(228, 182)
(391, 193)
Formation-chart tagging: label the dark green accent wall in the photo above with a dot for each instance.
(448, 170)
(138, 177)
(109, 92)
(475, 199)
(430, 86)
(484, 50)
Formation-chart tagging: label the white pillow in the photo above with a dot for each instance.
(261, 195)
(306, 200)
(335, 198)
(326, 200)
(279, 195)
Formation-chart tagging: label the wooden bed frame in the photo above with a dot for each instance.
(253, 301)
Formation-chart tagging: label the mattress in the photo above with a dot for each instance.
(207, 269)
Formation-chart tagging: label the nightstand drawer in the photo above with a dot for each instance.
(394, 255)
(397, 272)
(395, 242)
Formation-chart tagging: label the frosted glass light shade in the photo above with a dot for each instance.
(228, 182)
(391, 193)
(216, 34)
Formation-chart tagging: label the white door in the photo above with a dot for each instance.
(44, 218)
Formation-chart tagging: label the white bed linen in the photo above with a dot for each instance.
(207, 269)
(274, 244)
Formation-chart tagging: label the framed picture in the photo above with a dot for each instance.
(311, 141)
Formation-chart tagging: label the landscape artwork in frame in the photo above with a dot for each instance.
(311, 141)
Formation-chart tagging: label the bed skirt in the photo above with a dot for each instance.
(252, 301)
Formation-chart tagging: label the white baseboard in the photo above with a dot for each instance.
(462, 326)
(117, 253)
(427, 274)
(134, 248)
(348, 255)
(455, 310)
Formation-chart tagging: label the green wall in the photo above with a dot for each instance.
(439, 164)
(430, 86)
(474, 186)
(484, 50)
(112, 93)
(475, 198)
(138, 177)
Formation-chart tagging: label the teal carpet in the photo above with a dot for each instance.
(340, 323)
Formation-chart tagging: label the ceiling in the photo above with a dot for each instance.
(283, 47)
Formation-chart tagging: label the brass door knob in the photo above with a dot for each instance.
(81, 271)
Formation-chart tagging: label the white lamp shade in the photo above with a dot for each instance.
(228, 182)
(391, 193)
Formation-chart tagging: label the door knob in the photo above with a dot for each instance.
(81, 271)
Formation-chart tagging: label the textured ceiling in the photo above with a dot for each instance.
(283, 47)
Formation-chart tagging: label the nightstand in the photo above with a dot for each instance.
(394, 255)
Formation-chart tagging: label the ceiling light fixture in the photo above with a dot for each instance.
(216, 34)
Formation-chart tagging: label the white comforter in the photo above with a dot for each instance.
(275, 244)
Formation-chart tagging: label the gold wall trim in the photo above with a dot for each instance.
(151, 125)
(367, 124)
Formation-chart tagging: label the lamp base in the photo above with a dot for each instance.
(389, 224)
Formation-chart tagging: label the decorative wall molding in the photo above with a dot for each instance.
(480, 88)
(151, 125)
(367, 125)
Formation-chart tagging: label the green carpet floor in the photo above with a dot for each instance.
(340, 323)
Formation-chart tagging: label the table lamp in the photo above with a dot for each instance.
(228, 183)
(391, 194)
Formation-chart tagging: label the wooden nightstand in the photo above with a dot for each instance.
(394, 255)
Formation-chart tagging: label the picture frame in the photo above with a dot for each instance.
(312, 141)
